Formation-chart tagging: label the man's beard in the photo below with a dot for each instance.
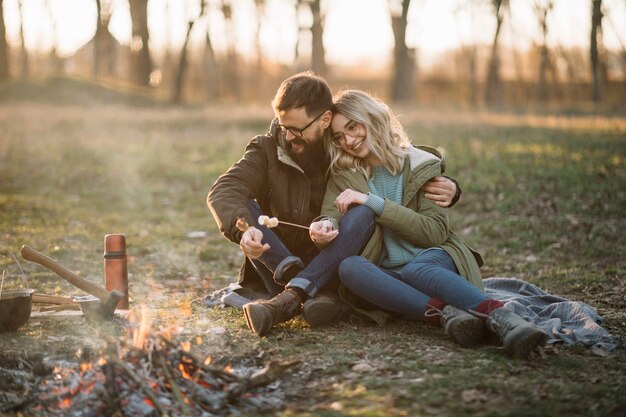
(312, 158)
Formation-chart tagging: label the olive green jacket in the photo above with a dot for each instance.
(417, 219)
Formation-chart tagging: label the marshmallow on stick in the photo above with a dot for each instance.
(268, 221)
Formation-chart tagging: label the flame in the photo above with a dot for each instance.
(86, 366)
(140, 334)
(186, 346)
(102, 361)
(229, 368)
(198, 340)
(183, 371)
(65, 403)
(208, 360)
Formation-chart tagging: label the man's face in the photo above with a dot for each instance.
(303, 133)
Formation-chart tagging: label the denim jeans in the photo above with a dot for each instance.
(355, 230)
(432, 274)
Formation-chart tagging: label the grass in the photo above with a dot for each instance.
(543, 201)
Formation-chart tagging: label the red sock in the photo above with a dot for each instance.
(431, 315)
(488, 306)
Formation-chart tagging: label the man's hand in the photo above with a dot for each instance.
(440, 190)
(349, 197)
(250, 243)
(322, 232)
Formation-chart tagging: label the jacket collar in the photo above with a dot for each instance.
(420, 165)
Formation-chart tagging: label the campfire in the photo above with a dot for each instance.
(150, 373)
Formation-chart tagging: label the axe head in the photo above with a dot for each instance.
(94, 308)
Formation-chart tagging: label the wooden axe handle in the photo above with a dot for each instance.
(90, 287)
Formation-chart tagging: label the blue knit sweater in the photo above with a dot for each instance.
(397, 252)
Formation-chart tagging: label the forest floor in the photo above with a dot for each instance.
(543, 200)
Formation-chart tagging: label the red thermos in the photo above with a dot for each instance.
(115, 269)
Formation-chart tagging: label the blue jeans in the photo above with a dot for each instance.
(356, 228)
(432, 274)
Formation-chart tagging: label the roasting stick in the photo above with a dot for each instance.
(273, 222)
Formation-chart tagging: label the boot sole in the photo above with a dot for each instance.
(319, 313)
(522, 341)
(248, 312)
(467, 331)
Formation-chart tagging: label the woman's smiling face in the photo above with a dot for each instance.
(349, 136)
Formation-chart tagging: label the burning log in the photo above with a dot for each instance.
(157, 378)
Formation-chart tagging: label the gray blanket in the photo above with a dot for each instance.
(570, 322)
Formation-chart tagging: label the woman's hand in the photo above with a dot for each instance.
(349, 197)
(322, 232)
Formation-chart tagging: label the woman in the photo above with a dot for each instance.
(414, 265)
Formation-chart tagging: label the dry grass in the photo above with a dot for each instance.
(543, 200)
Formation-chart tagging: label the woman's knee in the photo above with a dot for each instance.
(349, 270)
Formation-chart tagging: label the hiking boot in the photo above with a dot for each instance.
(325, 309)
(462, 327)
(262, 315)
(518, 336)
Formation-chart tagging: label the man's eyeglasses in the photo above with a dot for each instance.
(298, 132)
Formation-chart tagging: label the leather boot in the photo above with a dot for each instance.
(325, 309)
(518, 336)
(462, 327)
(262, 315)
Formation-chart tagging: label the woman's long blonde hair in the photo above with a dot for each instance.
(385, 138)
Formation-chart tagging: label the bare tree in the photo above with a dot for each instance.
(543, 8)
(318, 60)
(260, 6)
(315, 29)
(103, 43)
(403, 56)
(595, 49)
(231, 70)
(24, 56)
(493, 85)
(57, 65)
(4, 47)
(182, 63)
(141, 64)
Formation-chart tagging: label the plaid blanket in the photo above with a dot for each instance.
(566, 321)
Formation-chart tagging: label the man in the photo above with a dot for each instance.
(283, 174)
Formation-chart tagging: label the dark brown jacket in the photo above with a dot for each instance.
(267, 174)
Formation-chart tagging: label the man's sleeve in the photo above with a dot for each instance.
(243, 181)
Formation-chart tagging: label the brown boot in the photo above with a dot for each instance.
(325, 309)
(262, 315)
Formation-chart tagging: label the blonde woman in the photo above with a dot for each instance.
(413, 265)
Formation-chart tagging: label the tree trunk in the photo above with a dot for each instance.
(544, 54)
(141, 65)
(4, 48)
(403, 57)
(596, 30)
(182, 65)
(24, 57)
(318, 61)
(493, 91)
(211, 69)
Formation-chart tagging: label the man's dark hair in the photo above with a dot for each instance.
(304, 89)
